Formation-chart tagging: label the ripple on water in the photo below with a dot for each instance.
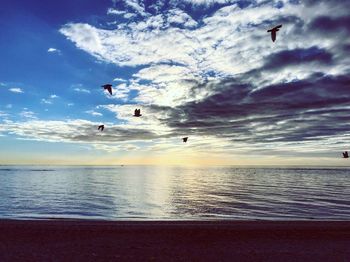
(174, 193)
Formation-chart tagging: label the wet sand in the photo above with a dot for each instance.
(70, 240)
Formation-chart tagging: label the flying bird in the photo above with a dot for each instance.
(345, 154)
(108, 87)
(101, 127)
(137, 113)
(184, 139)
(273, 32)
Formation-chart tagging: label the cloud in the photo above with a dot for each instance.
(152, 117)
(209, 2)
(78, 131)
(53, 50)
(117, 79)
(116, 147)
(331, 25)
(313, 109)
(112, 11)
(28, 114)
(3, 114)
(46, 101)
(216, 49)
(177, 16)
(82, 90)
(137, 6)
(298, 57)
(217, 76)
(49, 100)
(16, 90)
(93, 113)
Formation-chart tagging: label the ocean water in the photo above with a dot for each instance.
(174, 193)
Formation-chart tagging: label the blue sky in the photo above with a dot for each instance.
(206, 69)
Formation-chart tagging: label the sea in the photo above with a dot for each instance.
(174, 193)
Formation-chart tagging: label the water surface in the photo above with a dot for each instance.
(175, 193)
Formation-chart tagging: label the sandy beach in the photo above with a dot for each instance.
(76, 240)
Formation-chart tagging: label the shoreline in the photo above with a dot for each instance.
(223, 240)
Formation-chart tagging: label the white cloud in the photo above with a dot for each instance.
(177, 16)
(117, 79)
(49, 100)
(46, 101)
(82, 90)
(3, 114)
(119, 92)
(209, 2)
(226, 44)
(112, 11)
(8, 106)
(151, 119)
(129, 15)
(16, 90)
(117, 147)
(93, 113)
(137, 6)
(28, 114)
(53, 50)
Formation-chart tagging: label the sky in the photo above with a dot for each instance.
(206, 69)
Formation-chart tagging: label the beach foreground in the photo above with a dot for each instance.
(58, 240)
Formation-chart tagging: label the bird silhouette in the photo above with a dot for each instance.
(108, 87)
(345, 154)
(137, 113)
(273, 32)
(184, 139)
(101, 127)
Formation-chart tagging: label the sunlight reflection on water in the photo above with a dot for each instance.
(114, 193)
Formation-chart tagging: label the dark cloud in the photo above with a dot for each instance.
(285, 19)
(302, 110)
(298, 56)
(328, 2)
(346, 48)
(331, 24)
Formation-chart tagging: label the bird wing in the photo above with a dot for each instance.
(279, 26)
(135, 113)
(109, 88)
